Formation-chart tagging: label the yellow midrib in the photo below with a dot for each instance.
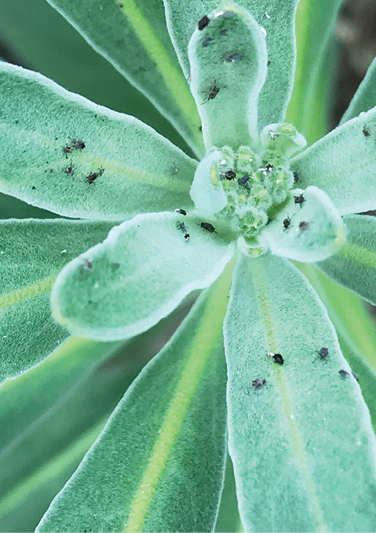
(200, 351)
(357, 254)
(27, 292)
(263, 298)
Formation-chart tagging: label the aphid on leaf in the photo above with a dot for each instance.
(299, 199)
(69, 170)
(323, 353)
(181, 211)
(88, 265)
(182, 227)
(343, 373)
(187, 236)
(92, 177)
(355, 376)
(303, 226)
(115, 266)
(202, 23)
(209, 227)
(258, 383)
(277, 358)
(230, 175)
(224, 31)
(233, 57)
(296, 176)
(207, 42)
(366, 131)
(67, 150)
(213, 92)
(287, 223)
(243, 180)
(78, 145)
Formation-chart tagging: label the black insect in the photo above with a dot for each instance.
(34, 188)
(67, 149)
(187, 236)
(268, 63)
(269, 167)
(207, 42)
(208, 227)
(78, 145)
(343, 373)
(182, 227)
(203, 22)
(278, 358)
(233, 57)
(296, 176)
(224, 31)
(287, 223)
(323, 353)
(115, 266)
(88, 265)
(303, 226)
(258, 383)
(101, 172)
(366, 131)
(355, 376)
(181, 211)
(92, 177)
(213, 92)
(69, 170)
(230, 175)
(299, 199)
(243, 180)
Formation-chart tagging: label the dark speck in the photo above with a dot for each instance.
(324, 352)
(299, 199)
(200, 128)
(268, 63)
(115, 266)
(366, 132)
(181, 211)
(243, 180)
(278, 359)
(230, 175)
(208, 227)
(233, 57)
(303, 226)
(296, 176)
(78, 145)
(207, 42)
(121, 4)
(343, 373)
(203, 22)
(258, 383)
(34, 188)
(88, 265)
(224, 32)
(355, 376)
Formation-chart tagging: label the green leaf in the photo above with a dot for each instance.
(277, 18)
(53, 414)
(315, 28)
(159, 463)
(314, 230)
(228, 515)
(343, 164)
(365, 97)
(138, 275)
(227, 73)
(134, 38)
(354, 264)
(313, 449)
(125, 167)
(32, 253)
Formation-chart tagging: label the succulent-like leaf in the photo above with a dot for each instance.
(32, 253)
(354, 264)
(228, 69)
(343, 164)
(365, 97)
(159, 463)
(134, 38)
(138, 275)
(82, 160)
(278, 21)
(228, 515)
(312, 466)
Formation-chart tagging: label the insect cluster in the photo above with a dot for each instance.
(70, 169)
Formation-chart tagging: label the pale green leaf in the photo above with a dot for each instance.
(365, 97)
(312, 466)
(354, 264)
(133, 36)
(32, 253)
(343, 164)
(52, 414)
(227, 73)
(138, 275)
(276, 17)
(135, 169)
(228, 515)
(314, 230)
(159, 463)
(315, 28)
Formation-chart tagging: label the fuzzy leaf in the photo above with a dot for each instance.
(135, 169)
(314, 231)
(354, 265)
(312, 466)
(166, 473)
(133, 36)
(137, 276)
(228, 69)
(32, 253)
(365, 97)
(277, 18)
(343, 164)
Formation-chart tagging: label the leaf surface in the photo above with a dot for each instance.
(32, 252)
(312, 466)
(343, 164)
(134, 38)
(278, 20)
(159, 463)
(138, 275)
(123, 167)
(354, 264)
